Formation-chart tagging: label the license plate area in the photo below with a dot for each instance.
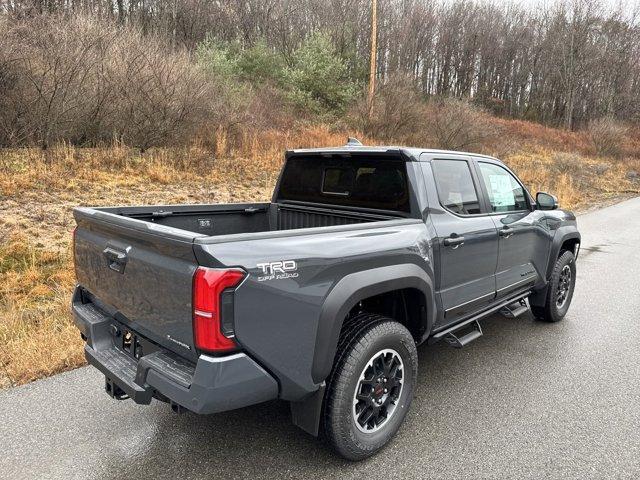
(130, 344)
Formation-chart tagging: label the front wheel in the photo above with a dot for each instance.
(559, 291)
(371, 387)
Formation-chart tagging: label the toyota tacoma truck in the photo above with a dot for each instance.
(319, 297)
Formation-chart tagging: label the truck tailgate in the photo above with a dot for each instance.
(141, 272)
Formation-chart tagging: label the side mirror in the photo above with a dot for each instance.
(546, 201)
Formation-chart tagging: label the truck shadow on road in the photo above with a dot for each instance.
(261, 442)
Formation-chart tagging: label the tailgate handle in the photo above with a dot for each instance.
(116, 259)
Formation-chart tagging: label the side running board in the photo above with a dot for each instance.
(514, 309)
(472, 331)
(469, 330)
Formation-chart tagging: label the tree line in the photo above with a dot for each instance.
(564, 64)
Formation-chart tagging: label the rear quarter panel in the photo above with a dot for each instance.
(277, 318)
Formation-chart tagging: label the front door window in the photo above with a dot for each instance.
(505, 193)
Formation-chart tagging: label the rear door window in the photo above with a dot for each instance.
(455, 186)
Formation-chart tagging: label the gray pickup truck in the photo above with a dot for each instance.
(321, 296)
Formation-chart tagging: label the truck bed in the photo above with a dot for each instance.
(140, 261)
(229, 219)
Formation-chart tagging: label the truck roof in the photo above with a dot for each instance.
(412, 152)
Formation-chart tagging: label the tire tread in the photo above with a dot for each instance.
(360, 331)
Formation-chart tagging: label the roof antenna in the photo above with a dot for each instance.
(353, 142)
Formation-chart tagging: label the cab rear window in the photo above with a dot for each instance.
(376, 183)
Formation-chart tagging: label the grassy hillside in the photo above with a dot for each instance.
(38, 189)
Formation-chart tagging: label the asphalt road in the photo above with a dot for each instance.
(527, 399)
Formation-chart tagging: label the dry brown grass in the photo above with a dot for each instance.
(39, 189)
(578, 181)
(37, 336)
(529, 134)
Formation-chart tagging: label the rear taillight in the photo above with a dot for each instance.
(212, 304)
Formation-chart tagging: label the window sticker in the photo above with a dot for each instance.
(455, 198)
(501, 191)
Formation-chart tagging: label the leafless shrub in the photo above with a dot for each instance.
(160, 97)
(87, 82)
(457, 125)
(55, 63)
(601, 168)
(567, 162)
(10, 130)
(13, 100)
(397, 111)
(607, 136)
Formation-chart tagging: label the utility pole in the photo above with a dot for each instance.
(372, 69)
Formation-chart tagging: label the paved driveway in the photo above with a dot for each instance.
(526, 400)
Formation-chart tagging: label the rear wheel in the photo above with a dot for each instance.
(371, 386)
(560, 290)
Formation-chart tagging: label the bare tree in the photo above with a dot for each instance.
(563, 64)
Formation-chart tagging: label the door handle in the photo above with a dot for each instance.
(453, 241)
(116, 259)
(506, 232)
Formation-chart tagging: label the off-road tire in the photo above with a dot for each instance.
(551, 311)
(365, 336)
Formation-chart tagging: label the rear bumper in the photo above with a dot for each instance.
(213, 384)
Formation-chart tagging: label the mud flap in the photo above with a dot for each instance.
(538, 297)
(307, 413)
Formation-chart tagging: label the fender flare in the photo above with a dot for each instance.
(568, 232)
(355, 287)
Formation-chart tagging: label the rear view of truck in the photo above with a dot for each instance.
(154, 320)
